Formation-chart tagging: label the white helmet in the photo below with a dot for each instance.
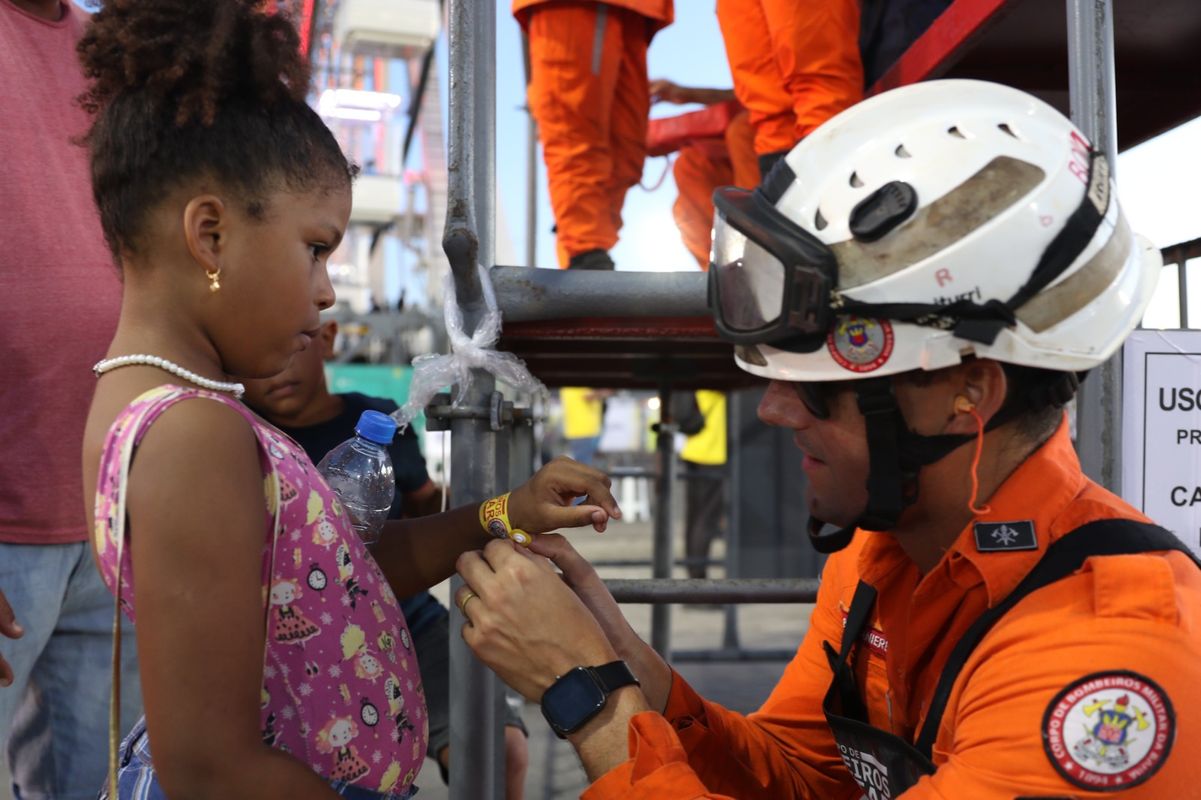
(925, 224)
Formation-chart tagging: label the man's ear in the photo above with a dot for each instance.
(205, 228)
(981, 388)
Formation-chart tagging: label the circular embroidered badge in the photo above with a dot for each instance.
(860, 344)
(1109, 731)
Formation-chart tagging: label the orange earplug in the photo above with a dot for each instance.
(964, 405)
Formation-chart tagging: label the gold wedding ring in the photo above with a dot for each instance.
(467, 598)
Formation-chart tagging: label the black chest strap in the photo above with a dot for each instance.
(1107, 537)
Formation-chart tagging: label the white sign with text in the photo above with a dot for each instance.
(1161, 429)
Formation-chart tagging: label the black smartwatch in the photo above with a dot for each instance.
(580, 695)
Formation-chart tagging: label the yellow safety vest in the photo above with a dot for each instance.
(708, 446)
(581, 413)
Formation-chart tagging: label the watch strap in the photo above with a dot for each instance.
(613, 676)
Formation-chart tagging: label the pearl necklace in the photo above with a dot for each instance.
(109, 364)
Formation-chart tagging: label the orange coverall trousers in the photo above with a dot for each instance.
(588, 93)
(702, 167)
(795, 64)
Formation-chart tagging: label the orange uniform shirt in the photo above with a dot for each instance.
(795, 64)
(589, 94)
(1116, 644)
(660, 12)
(697, 173)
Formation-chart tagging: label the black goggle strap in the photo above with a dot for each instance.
(983, 322)
(885, 484)
(897, 454)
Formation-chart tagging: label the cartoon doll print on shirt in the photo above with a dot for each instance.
(335, 737)
(396, 706)
(324, 532)
(290, 625)
(354, 645)
(346, 576)
(387, 646)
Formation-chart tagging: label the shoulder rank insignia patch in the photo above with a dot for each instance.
(1002, 537)
(1109, 731)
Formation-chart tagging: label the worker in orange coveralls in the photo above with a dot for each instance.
(588, 93)
(795, 64)
(700, 167)
(921, 280)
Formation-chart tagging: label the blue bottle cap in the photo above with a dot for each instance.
(376, 427)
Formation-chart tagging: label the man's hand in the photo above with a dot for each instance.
(665, 91)
(12, 629)
(652, 672)
(523, 621)
(545, 501)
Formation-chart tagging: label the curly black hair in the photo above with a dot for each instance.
(187, 89)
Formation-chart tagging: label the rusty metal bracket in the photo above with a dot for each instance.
(499, 412)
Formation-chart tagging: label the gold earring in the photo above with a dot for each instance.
(214, 279)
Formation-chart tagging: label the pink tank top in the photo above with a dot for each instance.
(341, 688)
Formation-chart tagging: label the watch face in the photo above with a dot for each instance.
(572, 700)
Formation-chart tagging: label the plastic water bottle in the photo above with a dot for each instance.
(360, 472)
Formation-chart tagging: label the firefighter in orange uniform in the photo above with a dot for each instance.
(795, 64)
(702, 166)
(921, 280)
(588, 93)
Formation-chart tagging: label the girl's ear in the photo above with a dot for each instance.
(205, 228)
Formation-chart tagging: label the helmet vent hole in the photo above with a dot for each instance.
(901, 152)
(855, 181)
(954, 131)
(1004, 128)
(819, 221)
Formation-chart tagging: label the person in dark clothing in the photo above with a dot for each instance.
(298, 402)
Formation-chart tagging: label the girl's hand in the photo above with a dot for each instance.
(545, 501)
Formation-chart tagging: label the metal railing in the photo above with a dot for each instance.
(1179, 255)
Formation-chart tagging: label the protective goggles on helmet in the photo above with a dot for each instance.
(769, 280)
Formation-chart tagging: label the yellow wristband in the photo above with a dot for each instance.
(494, 518)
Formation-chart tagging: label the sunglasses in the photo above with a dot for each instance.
(817, 395)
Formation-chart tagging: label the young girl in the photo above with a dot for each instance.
(275, 660)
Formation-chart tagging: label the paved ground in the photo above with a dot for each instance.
(554, 772)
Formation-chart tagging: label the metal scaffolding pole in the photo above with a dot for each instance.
(531, 167)
(526, 294)
(477, 769)
(1094, 110)
(729, 637)
(712, 590)
(661, 559)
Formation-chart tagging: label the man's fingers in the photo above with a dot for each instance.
(8, 620)
(475, 571)
(558, 549)
(6, 673)
(463, 599)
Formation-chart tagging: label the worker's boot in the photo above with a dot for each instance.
(591, 259)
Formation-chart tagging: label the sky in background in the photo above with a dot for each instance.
(1158, 180)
